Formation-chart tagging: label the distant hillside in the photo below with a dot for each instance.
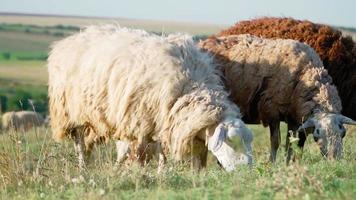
(149, 25)
(348, 31)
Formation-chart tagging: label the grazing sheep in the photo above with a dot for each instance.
(21, 120)
(337, 52)
(281, 80)
(9, 121)
(138, 87)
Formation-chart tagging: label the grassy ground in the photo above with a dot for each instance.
(21, 81)
(24, 72)
(33, 166)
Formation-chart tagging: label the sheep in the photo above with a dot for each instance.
(9, 121)
(21, 120)
(337, 52)
(133, 86)
(281, 80)
(46, 120)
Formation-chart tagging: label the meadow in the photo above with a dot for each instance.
(33, 166)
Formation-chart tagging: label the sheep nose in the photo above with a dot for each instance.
(343, 133)
(316, 139)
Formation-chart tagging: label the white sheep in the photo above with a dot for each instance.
(21, 120)
(9, 121)
(134, 86)
(281, 80)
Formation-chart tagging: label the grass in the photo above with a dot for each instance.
(20, 81)
(33, 166)
(24, 72)
(24, 42)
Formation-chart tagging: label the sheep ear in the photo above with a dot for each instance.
(346, 120)
(307, 124)
(217, 139)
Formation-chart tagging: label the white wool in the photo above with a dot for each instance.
(133, 85)
(23, 120)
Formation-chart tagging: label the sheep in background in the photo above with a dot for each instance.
(21, 120)
(46, 121)
(338, 53)
(9, 121)
(134, 86)
(281, 80)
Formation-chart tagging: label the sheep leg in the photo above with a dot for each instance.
(123, 150)
(292, 128)
(275, 139)
(89, 141)
(302, 137)
(79, 147)
(161, 157)
(199, 154)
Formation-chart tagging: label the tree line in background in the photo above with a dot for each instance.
(20, 99)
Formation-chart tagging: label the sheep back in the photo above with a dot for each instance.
(337, 52)
(273, 79)
(10, 121)
(132, 85)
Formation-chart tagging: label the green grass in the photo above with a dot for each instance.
(20, 81)
(24, 72)
(33, 166)
(24, 42)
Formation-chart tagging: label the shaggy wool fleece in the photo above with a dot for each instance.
(337, 52)
(273, 79)
(135, 86)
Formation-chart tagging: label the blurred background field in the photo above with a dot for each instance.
(25, 42)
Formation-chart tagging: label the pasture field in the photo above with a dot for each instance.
(149, 25)
(33, 166)
(20, 81)
(24, 72)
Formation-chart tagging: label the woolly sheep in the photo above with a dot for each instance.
(134, 86)
(281, 80)
(21, 120)
(337, 52)
(9, 121)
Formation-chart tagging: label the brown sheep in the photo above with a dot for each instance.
(337, 52)
(281, 80)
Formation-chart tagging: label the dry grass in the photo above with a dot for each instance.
(33, 166)
(24, 72)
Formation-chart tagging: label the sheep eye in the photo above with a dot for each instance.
(340, 126)
(317, 131)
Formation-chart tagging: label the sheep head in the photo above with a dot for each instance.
(226, 155)
(329, 132)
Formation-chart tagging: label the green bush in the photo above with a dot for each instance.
(20, 99)
(58, 34)
(6, 55)
(3, 103)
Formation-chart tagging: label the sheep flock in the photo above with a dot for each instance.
(167, 96)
